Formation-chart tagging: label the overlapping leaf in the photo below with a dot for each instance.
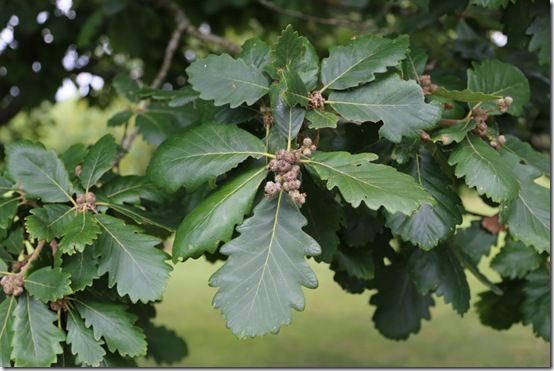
(132, 261)
(429, 224)
(113, 323)
(483, 168)
(36, 340)
(48, 284)
(84, 346)
(376, 185)
(536, 305)
(515, 260)
(400, 307)
(98, 161)
(358, 62)
(6, 329)
(528, 215)
(200, 154)
(440, 271)
(399, 104)
(38, 172)
(498, 78)
(263, 277)
(215, 218)
(227, 81)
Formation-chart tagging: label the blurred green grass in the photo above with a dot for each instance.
(336, 330)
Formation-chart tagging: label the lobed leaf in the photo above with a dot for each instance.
(358, 62)
(263, 277)
(376, 185)
(39, 172)
(399, 104)
(227, 81)
(36, 340)
(132, 261)
(483, 169)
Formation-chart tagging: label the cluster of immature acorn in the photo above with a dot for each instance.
(286, 169)
(480, 116)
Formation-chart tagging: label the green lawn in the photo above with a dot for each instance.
(336, 330)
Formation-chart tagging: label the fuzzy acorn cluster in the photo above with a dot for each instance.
(286, 169)
(12, 284)
(480, 116)
(86, 202)
(427, 84)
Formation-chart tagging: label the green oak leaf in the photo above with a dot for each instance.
(73, 156)
(82, 267)
(36, 340)
(131, 259)
(120, 118)
(428, 225)
(287, 119)
(475, 242)
(536, 305)
(8, 209)
(295, 53)
(126, 87)
(465, 95)
(48, 284)
(356, 262)
(399, 104)
(498, 78)
(323, 214)
(400, 307)
(256, 52)
(321, 119)
(358, 62)
(99, 160)
(131, 189)
(183, 96)
(84, 346)
(49, 222)
(501, 311)
(263, 277)
(79, 233)
(158, 121)
(515, 260)
(360, 180)
(528, 215)
(200, 154)
(540, 38)
(526, 153)
(6, 185)
(440, 271)
(142, 217)
(294, 90)
(164, 345)
(14, 243)
(453, 133)
(484, 169)
(215, 218)
(6, 329)
(360, 225)
(115, 324)
(227, 81)
(39, 172)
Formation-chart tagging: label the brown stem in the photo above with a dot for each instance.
(321, 20)
(450, 122)
(33, 257)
